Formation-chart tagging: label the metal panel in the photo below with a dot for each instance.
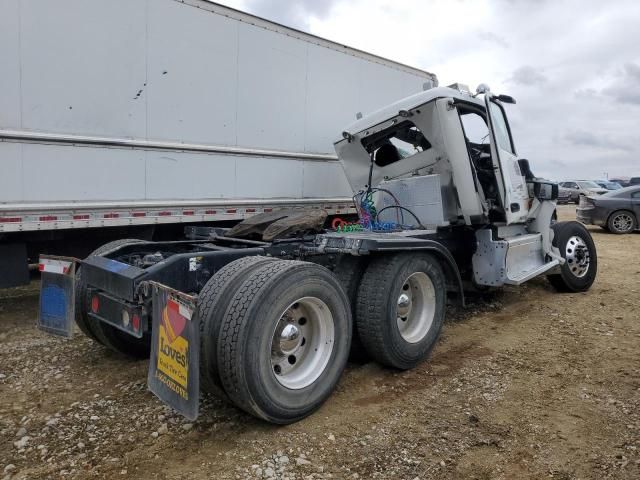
(192, 74)
(190, 175)
(83, 64)
(271, 90)
(10, 115)
(120, 99)
(325, 179)
(421, 194)
(11, 172)
(262, 178)
(87, 173)
(332, 100)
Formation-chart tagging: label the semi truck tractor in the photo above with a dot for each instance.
(135, 117)
(265, 314)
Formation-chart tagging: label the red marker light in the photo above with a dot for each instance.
(135, 322)
(95, 304)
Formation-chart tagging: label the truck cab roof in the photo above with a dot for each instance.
(408, 104)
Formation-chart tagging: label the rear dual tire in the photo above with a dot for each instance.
(284, 340)
(213, 301)
(401, 308)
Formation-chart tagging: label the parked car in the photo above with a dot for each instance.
(634, 181)
(608, 184)
(577, 188)
(625, 182)
(564, 195)
(617, 211)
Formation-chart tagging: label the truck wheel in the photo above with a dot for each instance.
(621, 222)
(349, 271)
(401, 308)
(213, 302)
(284, 341)
(101, 332)
(577, 248)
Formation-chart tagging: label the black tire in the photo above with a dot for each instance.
(247, 340)
(571, 277)
(621, 222)
(377, 308)
(213, 302)
(101, 332)
(349, 271)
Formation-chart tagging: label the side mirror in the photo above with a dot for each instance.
(506, 99)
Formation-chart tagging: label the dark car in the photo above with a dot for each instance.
(617, 211)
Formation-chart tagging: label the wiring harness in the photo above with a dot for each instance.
(369, 216)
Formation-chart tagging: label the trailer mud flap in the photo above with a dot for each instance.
(174, 367)
(57, 295)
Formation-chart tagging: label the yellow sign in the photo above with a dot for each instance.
(173, 360)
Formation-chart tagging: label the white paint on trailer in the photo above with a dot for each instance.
(131, 101)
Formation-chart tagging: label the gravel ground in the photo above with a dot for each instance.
(525, 383)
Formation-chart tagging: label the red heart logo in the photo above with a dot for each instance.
(174, 321)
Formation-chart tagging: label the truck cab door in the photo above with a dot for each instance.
(511, 182)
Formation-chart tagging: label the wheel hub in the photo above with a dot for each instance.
(577, 256)
(290, 339)
(404, 304)
(302, 343)
(415, 307)
(622, 222)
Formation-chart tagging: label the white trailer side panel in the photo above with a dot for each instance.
(166, 101)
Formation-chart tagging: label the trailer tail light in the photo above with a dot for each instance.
(95, 304)
(135, 322)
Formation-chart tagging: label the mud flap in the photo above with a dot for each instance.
(174, 366)
(57, 295)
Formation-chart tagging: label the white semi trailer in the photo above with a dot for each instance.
(130, 117)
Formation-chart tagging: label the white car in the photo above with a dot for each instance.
(577, 188)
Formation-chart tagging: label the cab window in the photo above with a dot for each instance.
(391, 145)
(501, 128)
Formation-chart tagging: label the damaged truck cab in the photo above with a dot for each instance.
(266, 314)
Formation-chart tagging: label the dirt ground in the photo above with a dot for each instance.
(524, 384)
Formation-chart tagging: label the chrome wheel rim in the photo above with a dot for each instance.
(623, 222)
(578, 256)
(416, 307)
(302, 343)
